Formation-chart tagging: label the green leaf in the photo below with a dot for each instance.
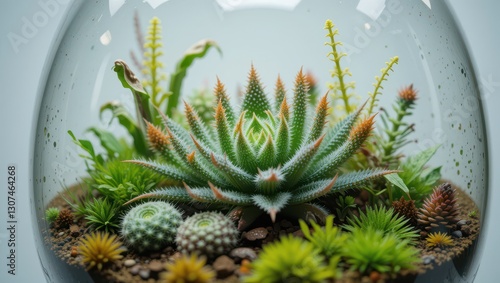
(129, 124)
(89, 148)
(398, 182)
(414, 164)
(198, 50)
(108, 141)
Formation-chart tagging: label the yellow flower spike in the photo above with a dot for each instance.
(439, 240)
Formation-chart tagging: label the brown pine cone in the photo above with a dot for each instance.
(407, 209)
(439, 212)
(64, 220)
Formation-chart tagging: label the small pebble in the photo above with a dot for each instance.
(256, 234)
(243, 253)
(462, 222)
(144, 273)
(60, 234)
(465, 229)
(74, 230)
(129, 262)
(224, 266)
(155, 266)
(135, 269)
(74, 251)
(428, 259)
(457, 234)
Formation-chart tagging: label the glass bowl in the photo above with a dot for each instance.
(276, 38)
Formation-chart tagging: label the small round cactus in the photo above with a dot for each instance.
(207, 233)
(151, 226)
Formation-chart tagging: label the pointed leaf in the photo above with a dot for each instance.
(230, 197)
(282, 141)
(267, 154)
(398, 182)
(298, 164)
(312, 191)
(198, 127)
(255, 100)
(279, 94)
(221, 96)
(268, 181)
(359, 178)
(319, 120)
(299, 114)
(272, 204)
(223, 133)
(176, 194)
(238, 177)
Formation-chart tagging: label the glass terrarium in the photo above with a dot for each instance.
(260, 141)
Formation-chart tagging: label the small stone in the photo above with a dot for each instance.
(462, 222)
(457, 234)
(129, 262)
(74, 251)
(135, 269)
(60, 234)
(256, 234)
(155, 266)
(144, 273)
(375, 276)
(243, 253)
(428, 259)
(465, 229)
(74, 230)
(224, 266)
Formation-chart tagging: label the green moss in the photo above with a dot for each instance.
(290, 260)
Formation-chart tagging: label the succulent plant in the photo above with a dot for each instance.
(261, 160)
(99, 248)
(151, 225)
(64, 219)
(440, 210)
(439, 239)
(329, 239)
(51, 214)
(407, 209)
(290, 259)
(187, 269)
(207, 233)
(370, 249)
(384, 220)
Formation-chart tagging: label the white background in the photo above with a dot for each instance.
(20, 72)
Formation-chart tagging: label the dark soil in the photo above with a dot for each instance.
(147, 267)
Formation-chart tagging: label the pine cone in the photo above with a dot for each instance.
(440, 211)
(407, 209)
(64, 220)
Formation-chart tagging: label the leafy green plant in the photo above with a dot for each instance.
(370, 249)
(102, 214)
(121, 181)
(395, 130)
(384, 220)
(419, 179)
(51, 214)
(276, 263)
(344, 206)
(328, 239)
(259, 162)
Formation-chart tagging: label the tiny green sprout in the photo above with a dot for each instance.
(473, 213)
(51, 214)
(328, 239)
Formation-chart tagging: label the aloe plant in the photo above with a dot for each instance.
(259, 160)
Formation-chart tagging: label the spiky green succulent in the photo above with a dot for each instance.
(51, 214)
(384, 220)
(370, 249)
(291, 259)
(207, 233)
(260, 159)
(150, 226)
